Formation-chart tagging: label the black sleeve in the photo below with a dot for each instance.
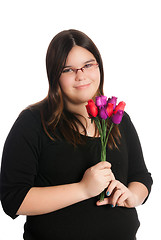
(137, 170)
(19, 162)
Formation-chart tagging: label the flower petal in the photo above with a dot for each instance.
(91, 108)
(101, 101)
(103, 113)
(109, 109)
(112, 100)
(116, 118)
(120, 106)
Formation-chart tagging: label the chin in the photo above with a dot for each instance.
(86, 96)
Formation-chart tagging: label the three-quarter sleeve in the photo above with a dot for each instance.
(137, 170)
(19, 162)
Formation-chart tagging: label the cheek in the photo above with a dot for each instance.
(64, 84)
(96, 78)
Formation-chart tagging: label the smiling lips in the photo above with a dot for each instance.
(82, 86)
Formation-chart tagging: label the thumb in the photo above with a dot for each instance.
(104, 202)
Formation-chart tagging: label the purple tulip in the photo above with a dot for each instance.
(103, 113)
(116, 118)
(101, 101)
(112, 100)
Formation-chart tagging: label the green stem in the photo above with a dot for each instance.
(98, 124)
(103, 151)
(104, 129)
(109, 133)
(102, 196)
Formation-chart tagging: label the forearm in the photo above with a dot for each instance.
(140, 192)
(42, 200)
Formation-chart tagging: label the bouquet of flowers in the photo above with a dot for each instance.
(101, 111)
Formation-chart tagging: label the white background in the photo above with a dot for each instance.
(128, 35)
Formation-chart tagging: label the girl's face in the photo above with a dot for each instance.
(80, 78)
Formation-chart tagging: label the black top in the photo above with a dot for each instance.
(30, 159)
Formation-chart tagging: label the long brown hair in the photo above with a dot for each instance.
(56, 120)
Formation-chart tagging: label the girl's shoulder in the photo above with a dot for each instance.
(30, 115)
(126, 120)
(29, 120)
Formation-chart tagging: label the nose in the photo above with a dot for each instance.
(79, 75)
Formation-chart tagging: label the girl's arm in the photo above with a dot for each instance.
(42, 200)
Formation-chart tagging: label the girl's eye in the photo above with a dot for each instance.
(88, 65)
(67, 70)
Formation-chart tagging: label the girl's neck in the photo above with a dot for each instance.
(81, 113)
(78, 109)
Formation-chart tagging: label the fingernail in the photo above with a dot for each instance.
(116, 205)
(112, 205)
(108, 193)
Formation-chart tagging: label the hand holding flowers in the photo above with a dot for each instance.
(96, 179)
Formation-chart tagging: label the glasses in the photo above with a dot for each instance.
(87, 68)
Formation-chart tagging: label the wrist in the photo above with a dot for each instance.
(83, 190)
(139, 192)
(135, 201)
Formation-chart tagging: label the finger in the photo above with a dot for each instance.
(122, 199)
(102, 165)
(104, 202)
(106, 172)
(112, 186)
(108, 179)
(113, 177)
(116, 196)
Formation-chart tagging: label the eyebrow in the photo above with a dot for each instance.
(91, 60)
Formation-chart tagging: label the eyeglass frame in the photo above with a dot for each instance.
(75, 70)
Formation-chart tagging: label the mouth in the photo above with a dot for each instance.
(82, 86)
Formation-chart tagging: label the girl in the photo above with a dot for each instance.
(51, 170)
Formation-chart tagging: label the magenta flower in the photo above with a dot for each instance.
(116, 118)
(112, 100)
(103, 113)
(101, 101)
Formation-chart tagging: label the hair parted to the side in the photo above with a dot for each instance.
(55, 118)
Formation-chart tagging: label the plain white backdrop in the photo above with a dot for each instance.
(128, 35)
